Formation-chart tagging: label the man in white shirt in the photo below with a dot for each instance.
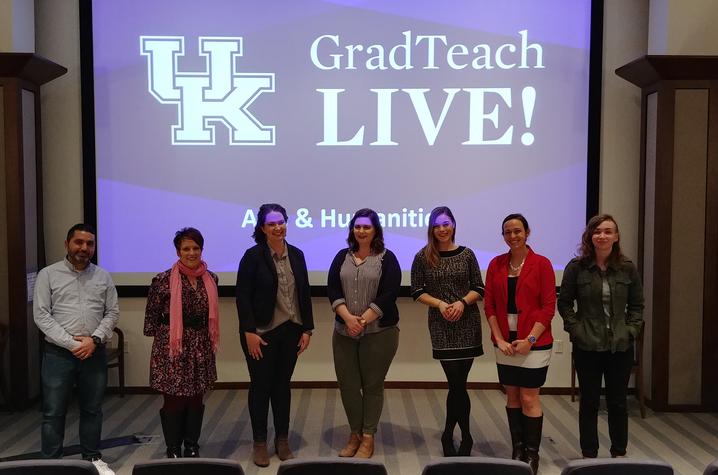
(75, 306)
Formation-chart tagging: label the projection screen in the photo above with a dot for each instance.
(205, 110)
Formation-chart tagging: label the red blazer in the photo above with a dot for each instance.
(535, 295)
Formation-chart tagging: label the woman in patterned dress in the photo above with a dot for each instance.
(446, 278)
(520, 301)
(182, 316)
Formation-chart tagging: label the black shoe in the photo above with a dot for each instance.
(174, 451)
(447, 443)
(191, 451)
(467, 443)
(192, 431)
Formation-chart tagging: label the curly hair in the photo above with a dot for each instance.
(264, 210)
(586, 250)
(377, 242)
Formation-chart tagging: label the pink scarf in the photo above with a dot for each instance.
(176, 328)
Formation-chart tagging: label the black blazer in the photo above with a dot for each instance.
(386, 293)
(257, 284)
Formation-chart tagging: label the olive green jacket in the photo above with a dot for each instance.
(589, 327)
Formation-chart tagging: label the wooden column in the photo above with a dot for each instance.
(678, 252)
(22, 251)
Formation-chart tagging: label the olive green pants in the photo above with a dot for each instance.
(361, 366)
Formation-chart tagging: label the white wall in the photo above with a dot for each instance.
(683, 27)
(624, 39)
(625, 32)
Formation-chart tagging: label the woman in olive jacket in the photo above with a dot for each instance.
(607, 288)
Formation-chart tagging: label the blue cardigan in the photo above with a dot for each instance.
(386, 294)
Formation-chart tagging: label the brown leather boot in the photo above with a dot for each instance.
(352, 446)
(260, 457)
(366, 448)
(281, 446)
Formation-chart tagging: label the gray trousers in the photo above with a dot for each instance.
(361, 366)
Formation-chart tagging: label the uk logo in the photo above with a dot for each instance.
(219, 94)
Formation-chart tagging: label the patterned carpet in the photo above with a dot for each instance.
(408, 434)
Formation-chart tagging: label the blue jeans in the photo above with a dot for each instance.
(61, 371)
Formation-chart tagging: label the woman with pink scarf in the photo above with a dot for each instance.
(182, 315)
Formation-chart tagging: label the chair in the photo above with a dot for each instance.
(188, 466)
(476, 466)
(618, 466)
(636, 370)
(331, 466)
(48, 467)
(116, 359)
(711, 469)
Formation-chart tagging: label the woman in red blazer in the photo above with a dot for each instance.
(520, 301)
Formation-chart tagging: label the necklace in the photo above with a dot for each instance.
(517, 268)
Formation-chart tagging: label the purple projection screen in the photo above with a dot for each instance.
(205, 110)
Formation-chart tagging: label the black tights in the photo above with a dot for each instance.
(458, 404)
(181, 403)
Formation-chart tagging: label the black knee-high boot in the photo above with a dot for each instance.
(192, 430)
(173, 430)
(515, 418)
(532, 439)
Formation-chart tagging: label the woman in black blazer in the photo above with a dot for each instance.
(275, 325)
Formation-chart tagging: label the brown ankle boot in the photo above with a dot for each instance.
(366, 448)
(260, 456)
(352, 446)
(281, 446)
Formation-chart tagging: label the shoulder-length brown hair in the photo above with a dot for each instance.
(431, 250)
(587, 252)
(377, 242)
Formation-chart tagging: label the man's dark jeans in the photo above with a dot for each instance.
(61, 372)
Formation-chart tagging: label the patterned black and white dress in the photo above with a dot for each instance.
(456, 274)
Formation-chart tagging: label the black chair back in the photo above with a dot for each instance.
(476, 466)
(47, 467)
(617, 466)
(331, 466)
(188, 466)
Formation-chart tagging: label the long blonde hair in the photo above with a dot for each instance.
(431, 250)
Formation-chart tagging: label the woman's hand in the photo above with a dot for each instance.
(505, 347)
(254, 345)
(521, 347)
(447, 311)
(459, 308)
(354, 325)
(303, 343)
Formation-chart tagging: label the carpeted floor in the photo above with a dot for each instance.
(408, 434)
